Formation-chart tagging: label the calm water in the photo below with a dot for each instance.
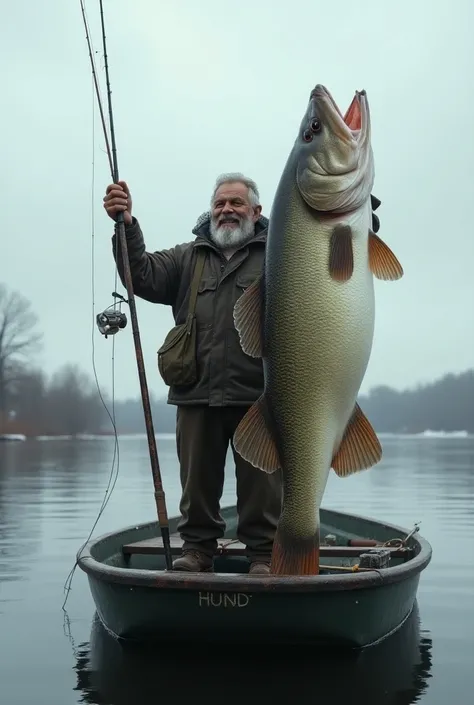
(50, 495)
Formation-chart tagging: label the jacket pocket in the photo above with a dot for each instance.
(205, 302)
(242, 282)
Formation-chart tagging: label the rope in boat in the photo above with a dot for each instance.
(391, 543)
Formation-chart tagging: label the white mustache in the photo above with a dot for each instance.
(229, 219)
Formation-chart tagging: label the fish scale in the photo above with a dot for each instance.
(316, 359)
(311, 318)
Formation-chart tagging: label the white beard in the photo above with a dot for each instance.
(228, 237)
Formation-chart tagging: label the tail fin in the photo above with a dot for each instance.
(295, 555)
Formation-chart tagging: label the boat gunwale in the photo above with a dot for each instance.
(243, 582)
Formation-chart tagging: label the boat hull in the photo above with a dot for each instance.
(138, 600)
(397, 670)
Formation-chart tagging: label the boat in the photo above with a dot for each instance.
(366, 588)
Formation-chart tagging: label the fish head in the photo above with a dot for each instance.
(335, 166)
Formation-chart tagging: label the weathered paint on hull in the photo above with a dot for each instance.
(350, 619)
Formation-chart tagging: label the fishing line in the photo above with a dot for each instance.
(112, 480)
(110, 323)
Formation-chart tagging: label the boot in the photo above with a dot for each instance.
(259, 567)
(194, 562)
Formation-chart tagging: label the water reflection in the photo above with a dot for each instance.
(41, 483)
(50, 496)
(394, 673)
(19, 523)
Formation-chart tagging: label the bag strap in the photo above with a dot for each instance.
(198, 268)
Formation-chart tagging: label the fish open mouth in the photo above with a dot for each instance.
(353, 117)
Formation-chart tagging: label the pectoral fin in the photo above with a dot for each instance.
(341, 256)
(248, 317)
(360, 448)
(382, 262)
(254, 441)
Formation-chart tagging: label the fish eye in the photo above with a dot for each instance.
(315, 125)
(307, 136)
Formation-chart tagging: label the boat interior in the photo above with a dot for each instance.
(357, 546)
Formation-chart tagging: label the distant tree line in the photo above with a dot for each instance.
(444, 405)
(66, 404)
(129, 416)
(30, 403)
(69, 404)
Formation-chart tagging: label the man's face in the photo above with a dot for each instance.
(233, 217)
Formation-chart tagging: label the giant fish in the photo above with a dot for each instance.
(310, 317)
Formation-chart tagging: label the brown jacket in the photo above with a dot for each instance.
(227, 376)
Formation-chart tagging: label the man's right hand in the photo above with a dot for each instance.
(117, 198)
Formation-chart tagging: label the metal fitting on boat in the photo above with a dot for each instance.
(376, 558)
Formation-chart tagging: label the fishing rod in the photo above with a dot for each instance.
(110, 323)
(94, 76)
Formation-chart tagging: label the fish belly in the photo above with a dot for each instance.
(318, 335)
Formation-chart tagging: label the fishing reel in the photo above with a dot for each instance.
(110, 321)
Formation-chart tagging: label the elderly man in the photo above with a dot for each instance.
(232, 236)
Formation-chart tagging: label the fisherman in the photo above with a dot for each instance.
(232, 235)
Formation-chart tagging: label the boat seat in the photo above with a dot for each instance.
(233, 547)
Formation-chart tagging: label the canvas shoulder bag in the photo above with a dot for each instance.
(177, 356)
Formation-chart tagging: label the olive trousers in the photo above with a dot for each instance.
(203, 435)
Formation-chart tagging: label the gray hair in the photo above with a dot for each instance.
(253, 193)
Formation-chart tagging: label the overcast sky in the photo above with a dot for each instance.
(200, 88)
